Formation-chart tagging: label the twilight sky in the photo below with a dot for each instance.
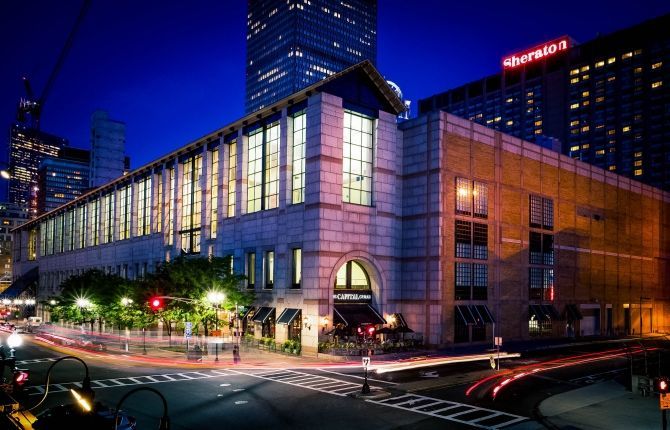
(174, 70)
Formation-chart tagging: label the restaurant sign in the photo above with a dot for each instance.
(352, 296)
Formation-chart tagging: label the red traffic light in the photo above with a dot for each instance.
(371, 330)
(156, 303)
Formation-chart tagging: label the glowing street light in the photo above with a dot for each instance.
(83, 302)
(215, 298)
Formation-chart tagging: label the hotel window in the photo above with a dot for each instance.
(263, 168)
(471, 240)
(656, 84)
(541, 284)
(107, 218)
(94, 222)
(251, 270)
(48, 235)
(299, 145)
(471, 281)
(82, 230)
(159, 203)
(600, 64)
(471, 198)
(637, 172)
(626, 55)
(352, 276)
(191, 202)
(68, 229)
(574, 72)
(58, 234)
(32, 245)
(170, 211)
(214, 190)
(144, 206)
(124, 212)
(232, 169)
(296, 268)
(611, 60)
(357, 159)
(656, 65)
(541, 248)
(269, 269)
(541, 213)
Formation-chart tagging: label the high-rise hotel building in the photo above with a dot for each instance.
(27, 148)
(292, 44)
(336, 214)
(607, 100)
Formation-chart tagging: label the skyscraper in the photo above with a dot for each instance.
(108, 142)
(294, 43)
(62, 178)
(606, 100)
(27, 148)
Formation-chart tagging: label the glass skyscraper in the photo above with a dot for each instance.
(292, 44)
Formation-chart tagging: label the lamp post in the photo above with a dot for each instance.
(83, 304)
(215, 298)
(125, 301)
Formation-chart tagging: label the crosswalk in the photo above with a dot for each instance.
(126, 381)
(35, 361)
(310, 381)
(451, 411)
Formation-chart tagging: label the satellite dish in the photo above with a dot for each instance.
(395, 88)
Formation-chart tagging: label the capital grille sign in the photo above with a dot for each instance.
(537, 53)
(352, 296)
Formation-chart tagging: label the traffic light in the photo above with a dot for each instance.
(662, 384)
(371, 330)
(19, 379)
(156, 303)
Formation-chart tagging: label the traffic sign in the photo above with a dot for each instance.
(188, 329)
(498, 341)
(664, 400)
(366, 361)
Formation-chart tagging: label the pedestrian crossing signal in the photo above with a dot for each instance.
(662, 385)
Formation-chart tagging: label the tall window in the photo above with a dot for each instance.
(49, 242)
(108, 218)
(94, 222)
(299, 143)
(191, 200)
(214, 190)
(170, 211)
(296, 268)
(58, 234)
(269, 269)
(471, 198)
(124, 212)
(32, 245)
(144, 206)
(357, 159)
(159, 203)
(263, 168)
(251, 270)
(83, 223)
(471, 240)
(68, 218)
(43, 239)
(232, 173)
(541, 247)
(541, 284)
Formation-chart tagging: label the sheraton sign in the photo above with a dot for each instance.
(537, 53)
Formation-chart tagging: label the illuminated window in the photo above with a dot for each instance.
(94, 222)
(600, 64)
(191, 205)
(638, 154)
(656, 84)
(530, 94)
(586, 103)
(509, 100)
(637, 172)
(124, 198)
(574, 123)
(627, 55)
(32, 245)
(296, 268)
(585, 94)
(357, 160)
(469, 195)
(611, 60)
(143, 206)
(585, 76)
(637, 70)
(585, 129)
(108, 218)
(600, 152)
(232, 169)
(299, 144)
(510, 122)
(496, 119)
(251, 270)
(586, 146)
(538, 131)
(600, 99)
(574, 106)
(574, 72)
(214, 193)
(263, 168)
(269, 269)
(171, 202)
(585, 68)
(656, 65)
(352, 276)
(611, 168)
(611, 78)
(637, 163)
(626, 129)
(574, 148)
(574, 80)
(159, 203)
(611, 132)
(82, 231)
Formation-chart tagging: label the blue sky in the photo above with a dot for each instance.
(174, 70)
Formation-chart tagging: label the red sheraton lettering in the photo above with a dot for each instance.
(536, 53)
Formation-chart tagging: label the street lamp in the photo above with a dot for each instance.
(215, 298)
(125, 301)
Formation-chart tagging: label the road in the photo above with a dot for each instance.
(257, 396)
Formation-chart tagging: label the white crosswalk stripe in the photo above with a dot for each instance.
(127, 381)
(306, 380)
(451, 411)
(35, 361)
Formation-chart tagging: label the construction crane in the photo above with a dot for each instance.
(30, 109)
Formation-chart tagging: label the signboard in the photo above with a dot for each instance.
(366, 361)
(353, 296)
(665, 400)
(536, 53)
(498, 341)
(188, 329)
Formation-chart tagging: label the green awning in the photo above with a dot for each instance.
(288, 315)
